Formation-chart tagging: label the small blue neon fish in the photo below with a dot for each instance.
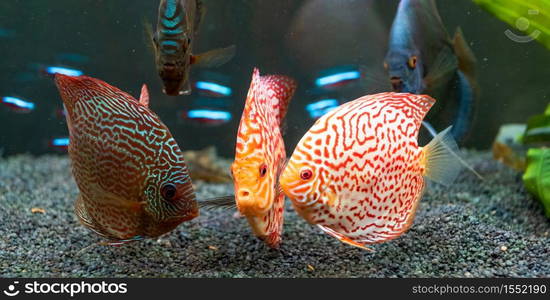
(177, 26)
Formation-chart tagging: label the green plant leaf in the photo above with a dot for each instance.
(530, 16)
(537, 175)
(538, 130)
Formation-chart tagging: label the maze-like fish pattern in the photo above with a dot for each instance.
(260, 144)
(365, 168)
(122, 155)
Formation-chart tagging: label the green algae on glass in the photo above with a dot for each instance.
(530, 16)
(537, 175)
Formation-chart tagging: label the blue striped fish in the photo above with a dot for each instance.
(177, 26)
(131, 174)
(423, 59)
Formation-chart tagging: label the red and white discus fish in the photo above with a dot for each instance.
(260, 155)
(132, 178)
(358, 173)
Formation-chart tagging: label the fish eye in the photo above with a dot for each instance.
(412, 62)
(263, 170)
(306, 174)
(168, 191)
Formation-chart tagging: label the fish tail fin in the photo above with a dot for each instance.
(466, 58)
(442, 162)
(214, 58)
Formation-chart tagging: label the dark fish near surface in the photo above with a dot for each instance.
(131, 174)
(422, 58)
(177, 26)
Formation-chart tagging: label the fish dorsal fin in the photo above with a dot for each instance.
(420, 105)
(281, 88)
(144, 96)
(74, 88)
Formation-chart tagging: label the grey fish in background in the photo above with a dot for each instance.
(423, 59)
(177, 26)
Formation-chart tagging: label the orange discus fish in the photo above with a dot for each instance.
(132, 178)
(358, 173)
(260, 155)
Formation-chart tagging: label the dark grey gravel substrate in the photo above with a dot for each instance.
(472, 229)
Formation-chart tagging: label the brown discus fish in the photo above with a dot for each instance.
(132, 178)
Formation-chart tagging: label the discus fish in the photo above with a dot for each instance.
(359, 173)
(422, 59)
(260, 155)
(177, 27)
(131, 174)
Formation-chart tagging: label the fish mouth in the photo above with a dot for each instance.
(397, 84)
(172, 87)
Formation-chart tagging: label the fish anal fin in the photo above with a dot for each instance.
(82, 213)
(214, 58)
(85, 219)
(144, 96)
(410, 218)
(344, 239)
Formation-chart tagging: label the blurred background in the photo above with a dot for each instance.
(307, 40)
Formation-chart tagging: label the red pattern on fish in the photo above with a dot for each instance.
(358, 172)
(132, 178)
(260, 155)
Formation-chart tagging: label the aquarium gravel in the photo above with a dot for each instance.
(473, 228)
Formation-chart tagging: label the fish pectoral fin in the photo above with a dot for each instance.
(442, 69)
(110, 199)
(144, 96)
(214, 58)
(201, 12)
(225, 202)
(343, 238)
(149, 35)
